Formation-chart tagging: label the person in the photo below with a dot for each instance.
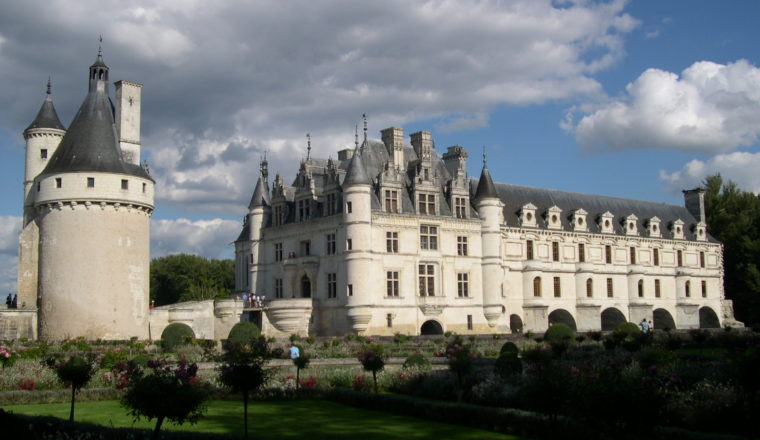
(651, 326)
(245, 300)
(8, 301)
(14, 303)
(644, 326)
(294, 352)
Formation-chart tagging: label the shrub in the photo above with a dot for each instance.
(373, 359)
(300, 362)
(189, 352)
(509, 347)
(176, 334)
(626, 329)
(559, 336)
(400, 338)
(508, 364)
(244, 333)
(416, 360)
(7, 356)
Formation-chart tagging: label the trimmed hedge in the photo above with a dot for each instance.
(176, 334)
(24, 397)
(244, 333)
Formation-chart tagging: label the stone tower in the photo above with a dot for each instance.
(90, 202)
(490, 208)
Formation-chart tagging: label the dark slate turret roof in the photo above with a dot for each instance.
(260, 195)
(356, 173)
(486, 188)
(47, 117)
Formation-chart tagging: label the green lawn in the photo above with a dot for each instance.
(312, 419)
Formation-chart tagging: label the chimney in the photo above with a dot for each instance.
(393, 138)
(421, 141)
(127, 119)
(695, 203)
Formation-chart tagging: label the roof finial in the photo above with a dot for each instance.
(48, 86)
(364, 116)
(100, 46)
(356, 135)
(484, 155)
(308, 146)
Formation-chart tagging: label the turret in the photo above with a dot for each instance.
(259, 214)
(489, 208)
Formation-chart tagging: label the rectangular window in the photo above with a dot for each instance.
(463, 285)
(43, 153)
(124, 184)
(679, 256)
(581, 252)
(426, 274)
(389, 319)
(656, 288)
(278, 252)
(589, 288)
(633, 255)
(391, 201)
(278, 287)
(687, 289)
(610, 291)
(330, 244)
(349, 244)
(278, 218)
(330, 205)
(305, 248)
(426, 204)
(704, 289)
(350, 290)
(608, 254)
(348, 207)
(144, 186)
(702, 259)
(656, 256)
(58, 182)
(332, 285)
(469, 322)
(304, 209)
(529, 250)
(38, 186)
(557, 288)
(391, 287)
(462, 246)
(428, 237)
(391, 242)
(555, 251)
(460, 207)
(90, 182)
(641, 288)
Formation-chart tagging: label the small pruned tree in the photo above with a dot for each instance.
(75, 371)
(301, 362)
(372, 358)
(242, 370)
(460, 359)
(166, 392)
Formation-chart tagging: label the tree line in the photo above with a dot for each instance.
(184, 277)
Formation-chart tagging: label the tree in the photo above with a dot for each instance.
(373, 359)
(460, 360)
(166, 392)
(186, 277)
(242, 370)
(74, 371)
(301, 362)
(733, 218)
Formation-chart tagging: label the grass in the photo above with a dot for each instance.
(312, 419)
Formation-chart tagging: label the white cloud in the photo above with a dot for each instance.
(712, 108)
(208, 238)
(463, 122)
(741, 167)
(10, 226)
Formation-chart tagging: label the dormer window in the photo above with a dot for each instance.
(331, 204)
(279, 217)
(579, 220)
(426, 204)
(553, 218)
(304, 209)
(677, 229)
(460, 207)
(605, 223)
(700, 231)
(653, 227)
(528, 215)
(391, 201)
(631, 225)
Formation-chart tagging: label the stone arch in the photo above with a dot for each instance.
(611, 318)
(305, 286)
(515, 324)
(662, 319)
(563, 316)
(708, 318)
(431, 327)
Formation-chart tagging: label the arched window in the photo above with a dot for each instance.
(687, 289)
(537, 286)
(641, 288)
(589, 288)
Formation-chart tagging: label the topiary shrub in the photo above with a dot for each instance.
(243, 333)
(509, 348)
(416, 360)
(626, 329)
(176, 334)
(508, 364)
(559, 336)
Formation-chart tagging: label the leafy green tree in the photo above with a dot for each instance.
(373, 358)
(74, 371)
(733, 218)
(301, 362)
(186, 277)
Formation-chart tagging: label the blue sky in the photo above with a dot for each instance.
(630, 99)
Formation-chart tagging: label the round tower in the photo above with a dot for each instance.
(357, 220)
(93, 210)
(259, 214)
(490, 208)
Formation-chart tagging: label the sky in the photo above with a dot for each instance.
(633, 99)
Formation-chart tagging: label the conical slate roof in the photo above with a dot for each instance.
(356, 173)
(486, 188)
(260, 194)
(47, 117)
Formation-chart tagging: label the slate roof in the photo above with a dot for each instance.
(357, 173)
(47, 117)
(486, 188)
(260, 194)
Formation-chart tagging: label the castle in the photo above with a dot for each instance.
(392, 237)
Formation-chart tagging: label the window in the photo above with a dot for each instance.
(704, 289)
(304, 209)
(278, 252)
(350, 290)
(641, 288)
(391, 242)
(391, 288)
(349, 244)
(90, 182)
(529, 250)
(428, 237)
(608, 254)
(348, 207)
(389, 319)
(330, 244)
(463, 285)
(144, 187)
(43, 153)
(460, 207)
(462, 246)
(469, 322)
(633, 255)
(278, 287)
(656, 256)
(555, 251)
(426, 204)
(656, 288)
(679, 256)
(305, 248)
(124, 184)
(38, 186)
(332, 285)
(278, 217)
(702, 259)
(427, 279)
(589, 288)
(537, 287)
(557, 288)
(581, 252)
(687, 289)
(58, 182)
(330, 204)
(610, 292)
(391, 200)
